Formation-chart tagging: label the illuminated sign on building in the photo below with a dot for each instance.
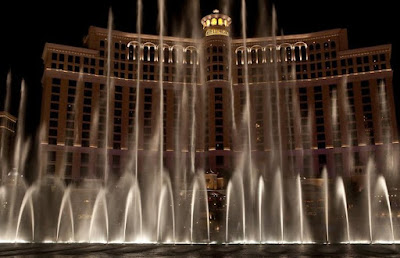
(211, 32)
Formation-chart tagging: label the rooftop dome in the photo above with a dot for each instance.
(216, 20)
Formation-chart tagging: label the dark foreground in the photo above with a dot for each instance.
(116, 250)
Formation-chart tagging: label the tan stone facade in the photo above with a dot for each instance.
(309, 71)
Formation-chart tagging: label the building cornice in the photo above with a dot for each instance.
(68, 50)
(326, 34)
(365, 51)
(128, 36)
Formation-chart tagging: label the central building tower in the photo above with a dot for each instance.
(217, 49)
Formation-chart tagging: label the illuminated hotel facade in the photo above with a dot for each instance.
(333, 100)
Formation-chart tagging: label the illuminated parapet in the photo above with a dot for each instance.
(216, 24)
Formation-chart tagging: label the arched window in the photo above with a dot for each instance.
(297, 53)
(239, 57)
(152, 54)
(194, 57)
(282, 54)
(260, 56)
(131, 53)
(146, 54)
(333, 44)
(188, 56)
(253, 56)
(191, 55)
(180, 56)
(177, 54)
(269, 57)
(317, 46)
(288, 54)
(166, 55)
(311, 47)
(173, 56)
(303, 53)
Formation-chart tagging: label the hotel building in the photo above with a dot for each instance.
(312, 99)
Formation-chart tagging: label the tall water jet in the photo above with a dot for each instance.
(137, 104)
(3, 146)
(166, 192)
(195, 189)
(381, 183)
(230, 79)
(236, 183)
(386, 134)
(133, 202)
(281, 216)
(291, 119)
(78, 110)
(199, 187)
(345, 104)
(341, 194)
(249, 177)
(228, 202)
(7, 100)
(370, 167)
(247, 114)
(161, 9)
(66, 200)
(275, 80)
(26, 200)
(97, 214)
(195, 33)
(18, 160)
(326, 202)
(19, 155)
(260, 202)
(301, 213)
(109, 85)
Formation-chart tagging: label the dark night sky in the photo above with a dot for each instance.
(25, 27)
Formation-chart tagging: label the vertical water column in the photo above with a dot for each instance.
(3, 146)
(108, 94)
(20, 153)
(161, 9)
(344, 100)
(195, 34)
(137, 104)
(247, 150)
(326, 203)
(275, 80)
(247, 113)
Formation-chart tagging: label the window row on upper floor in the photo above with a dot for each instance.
(150, 52)
(285, 52)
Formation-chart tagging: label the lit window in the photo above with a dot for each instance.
(220, 22)
(213, 21)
